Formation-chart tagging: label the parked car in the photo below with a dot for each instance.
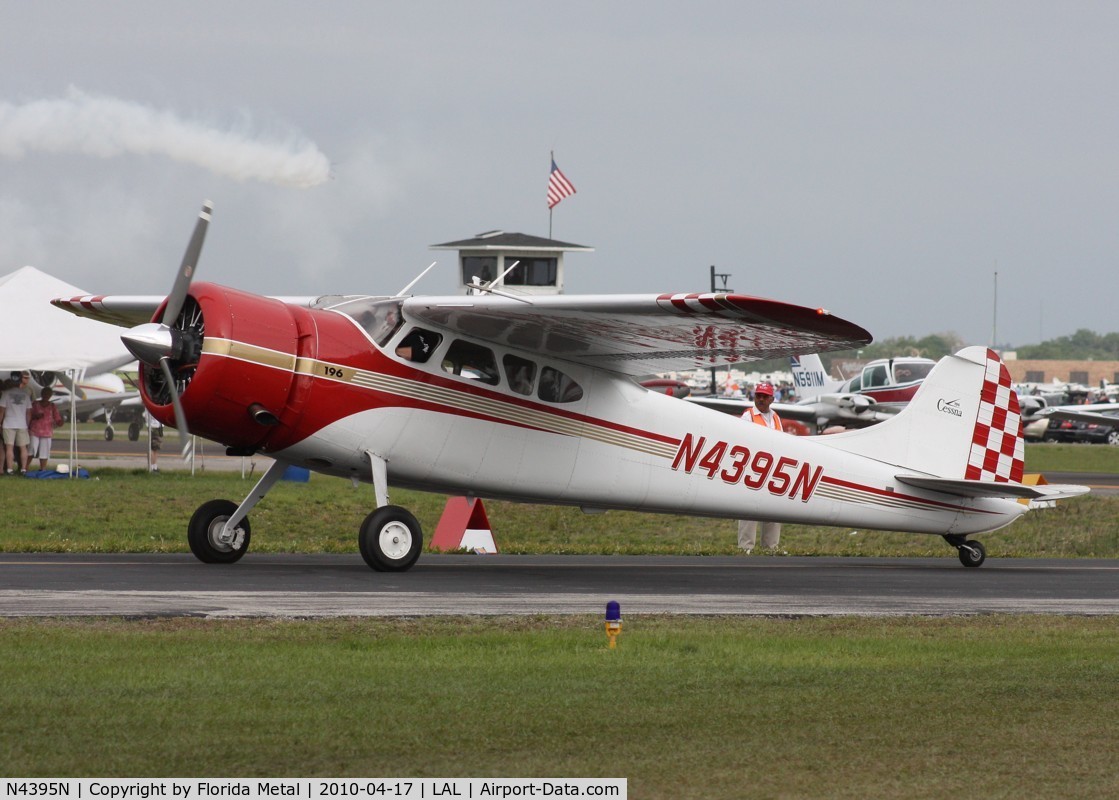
(1067, 430)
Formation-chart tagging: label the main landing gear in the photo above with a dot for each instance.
(972, 553)
(390, 539)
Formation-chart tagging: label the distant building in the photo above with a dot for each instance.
(488, 255)
(1089, 373)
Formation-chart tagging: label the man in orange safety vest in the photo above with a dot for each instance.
(761, 414)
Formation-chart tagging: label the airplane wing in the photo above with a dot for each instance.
(848, 410)
(128, 311)
(631, 334)
(638, 334)
(1099, 413)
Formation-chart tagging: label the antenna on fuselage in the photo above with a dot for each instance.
(415, 280)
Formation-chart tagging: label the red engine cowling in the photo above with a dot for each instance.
(237, 376)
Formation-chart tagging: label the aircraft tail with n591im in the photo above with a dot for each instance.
(535, 399)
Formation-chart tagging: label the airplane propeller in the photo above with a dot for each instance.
(176, 332)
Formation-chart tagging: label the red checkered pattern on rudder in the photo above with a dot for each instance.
(997, 451)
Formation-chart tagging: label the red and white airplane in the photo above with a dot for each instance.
(535, 399)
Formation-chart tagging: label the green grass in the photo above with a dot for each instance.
(1071, 458)
(976, 707)
(131, 511)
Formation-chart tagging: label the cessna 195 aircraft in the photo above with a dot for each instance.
(534, 399)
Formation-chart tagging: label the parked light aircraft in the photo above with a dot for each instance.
(534, 399)
(1088, 412)
(880, 390)
(100, 396)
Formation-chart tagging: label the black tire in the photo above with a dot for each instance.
(1113, 436)
(108, 434)
(133, 431)
(390, 539)
(972, 553)
(204, 528)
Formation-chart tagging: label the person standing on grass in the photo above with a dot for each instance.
(761, 414)
(155, 436)
(15, 404)
(42, 419)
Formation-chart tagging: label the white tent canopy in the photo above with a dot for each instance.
(35, 335)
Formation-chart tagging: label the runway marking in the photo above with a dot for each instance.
(92, 603)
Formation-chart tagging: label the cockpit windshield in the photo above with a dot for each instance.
(379, 316)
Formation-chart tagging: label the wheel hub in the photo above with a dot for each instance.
(225, 540)
(395, 540)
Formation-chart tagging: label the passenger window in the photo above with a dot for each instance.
(471, 361)
(555, 387)
(418, 345)
(520, 373)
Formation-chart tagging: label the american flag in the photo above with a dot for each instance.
(559, 186)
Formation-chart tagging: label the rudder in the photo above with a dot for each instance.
(997, 450)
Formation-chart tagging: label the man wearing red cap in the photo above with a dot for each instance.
(761, 414)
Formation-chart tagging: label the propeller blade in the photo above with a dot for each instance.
(186, 269)
(180, 417)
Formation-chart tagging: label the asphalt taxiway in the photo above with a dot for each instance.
(266, 585)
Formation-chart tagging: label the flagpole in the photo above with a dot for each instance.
(552, 160)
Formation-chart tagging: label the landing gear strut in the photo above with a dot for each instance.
(219, 531)
(972, 553)
(390, 538)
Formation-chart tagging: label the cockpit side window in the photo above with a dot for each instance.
(380, 318)
(875, 376)
(520, 373)
(418, 345)
(556, 387)
(471, 361)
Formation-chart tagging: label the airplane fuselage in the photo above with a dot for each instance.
(342, 400)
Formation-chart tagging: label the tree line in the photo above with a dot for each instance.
(1084, 345)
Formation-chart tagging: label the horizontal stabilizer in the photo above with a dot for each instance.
(977, 488)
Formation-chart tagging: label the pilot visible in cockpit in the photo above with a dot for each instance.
(418, 345)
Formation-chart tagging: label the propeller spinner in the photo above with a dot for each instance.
(162, 342)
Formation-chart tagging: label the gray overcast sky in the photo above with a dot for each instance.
(881, 160)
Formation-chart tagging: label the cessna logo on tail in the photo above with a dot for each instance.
(949, 407)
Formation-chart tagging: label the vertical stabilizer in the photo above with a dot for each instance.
(963, 423)
(810, 378)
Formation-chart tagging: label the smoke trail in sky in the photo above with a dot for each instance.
(106, 127)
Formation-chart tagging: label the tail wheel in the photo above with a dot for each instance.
(205, 533)
(390, 539)
(972, 553)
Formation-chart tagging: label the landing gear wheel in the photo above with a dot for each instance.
(972, 553)
(390, 539)
(133, 431)
(205, 529)
(108, 434)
